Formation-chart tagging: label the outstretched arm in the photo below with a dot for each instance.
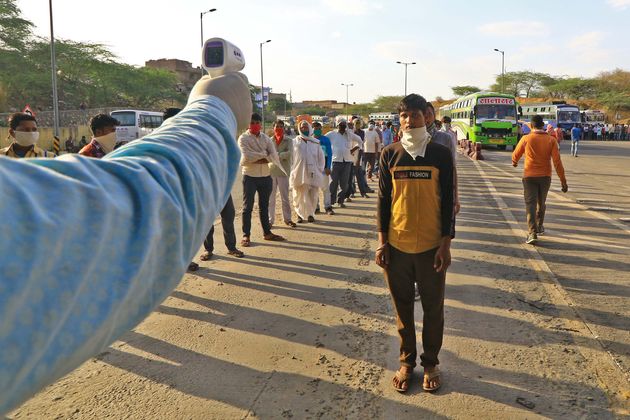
(88, 248)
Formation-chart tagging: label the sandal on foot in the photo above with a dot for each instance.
(206, 256)
(428, 377)
(236, 253)
(245, 242)
(403, 379)
(273, 237)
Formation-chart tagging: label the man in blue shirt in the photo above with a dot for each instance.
(327, 149)
(90, 247)
(388, 136)
(576, 134)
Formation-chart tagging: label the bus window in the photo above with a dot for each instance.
(126, 119)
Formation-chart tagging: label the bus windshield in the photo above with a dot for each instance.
(495, 112)
(569, 116)
(126, 119)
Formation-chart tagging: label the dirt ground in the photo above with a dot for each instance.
(305, 329)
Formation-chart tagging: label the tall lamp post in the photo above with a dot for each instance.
(347, 85)
(53, 64)
(406, 64)
(502, 69)
(262, 85)
(201, 23)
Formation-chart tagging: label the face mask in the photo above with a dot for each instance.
(415, 141)
(304, 132)
(254, 128)
(371, 127)
(447, 126)
(107, 142)
(26, 138)
(279, 132)
(317, 132)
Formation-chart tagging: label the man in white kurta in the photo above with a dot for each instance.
(306, 172)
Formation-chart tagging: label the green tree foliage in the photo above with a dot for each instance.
(88, 73)
(386, 103)
(464, 90)
(278, 105)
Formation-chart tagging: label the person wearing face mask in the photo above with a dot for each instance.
(415, 216)
(103, 128)
(306, 172)
(324, 142)
(343, 142)
(372, 146)
(446, 140)
(284, 147)
(24, 135)
(257, 151)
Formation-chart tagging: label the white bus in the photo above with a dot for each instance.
(135, 124)
(593, 117)
(557, 113)
(385, 117)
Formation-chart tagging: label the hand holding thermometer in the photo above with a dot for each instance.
(220, 57)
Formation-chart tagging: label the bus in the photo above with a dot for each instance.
(593, 117)
(556, 113)
(381, 117)
(135, 124)
(485, 118)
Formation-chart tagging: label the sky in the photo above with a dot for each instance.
(317, 45)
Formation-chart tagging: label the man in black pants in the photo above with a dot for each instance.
(227, 221)
(257, 151)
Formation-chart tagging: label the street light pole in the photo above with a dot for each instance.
(502, 69)
(262, 85)
(53, 64)
(406, 64)
(347, 85)
(201, 22)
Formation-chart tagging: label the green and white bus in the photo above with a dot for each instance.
(485, 117)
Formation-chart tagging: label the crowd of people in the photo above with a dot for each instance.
(417, 201)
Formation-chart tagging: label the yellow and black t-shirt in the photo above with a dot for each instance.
(415, 198)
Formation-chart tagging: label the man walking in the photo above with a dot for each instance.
(539, 149)
(372, 147)
(257, 151)
(576, 134)
(415, 213)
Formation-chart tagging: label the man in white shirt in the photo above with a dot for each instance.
(257, 151)
(342, 142)
(371, 145)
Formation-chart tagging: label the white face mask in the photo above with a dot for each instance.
(26, 138)
(415, 141)
(107, 142)
(447, 126)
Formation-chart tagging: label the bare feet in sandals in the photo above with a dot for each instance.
(245, 242)
(401, 379)
(432, 379)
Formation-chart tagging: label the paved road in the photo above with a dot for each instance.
(304, 329)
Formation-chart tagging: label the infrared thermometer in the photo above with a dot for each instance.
(220, 57)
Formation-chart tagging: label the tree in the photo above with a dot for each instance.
(14, 31)
(386, 103)
(573, 88)
(464, 90)
(522, 82)
(278, 105)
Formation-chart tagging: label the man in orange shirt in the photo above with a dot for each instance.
(539, 149)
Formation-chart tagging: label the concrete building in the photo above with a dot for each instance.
(187, 75)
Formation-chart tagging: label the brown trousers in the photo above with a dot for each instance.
(403, 271)
(535, 190)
